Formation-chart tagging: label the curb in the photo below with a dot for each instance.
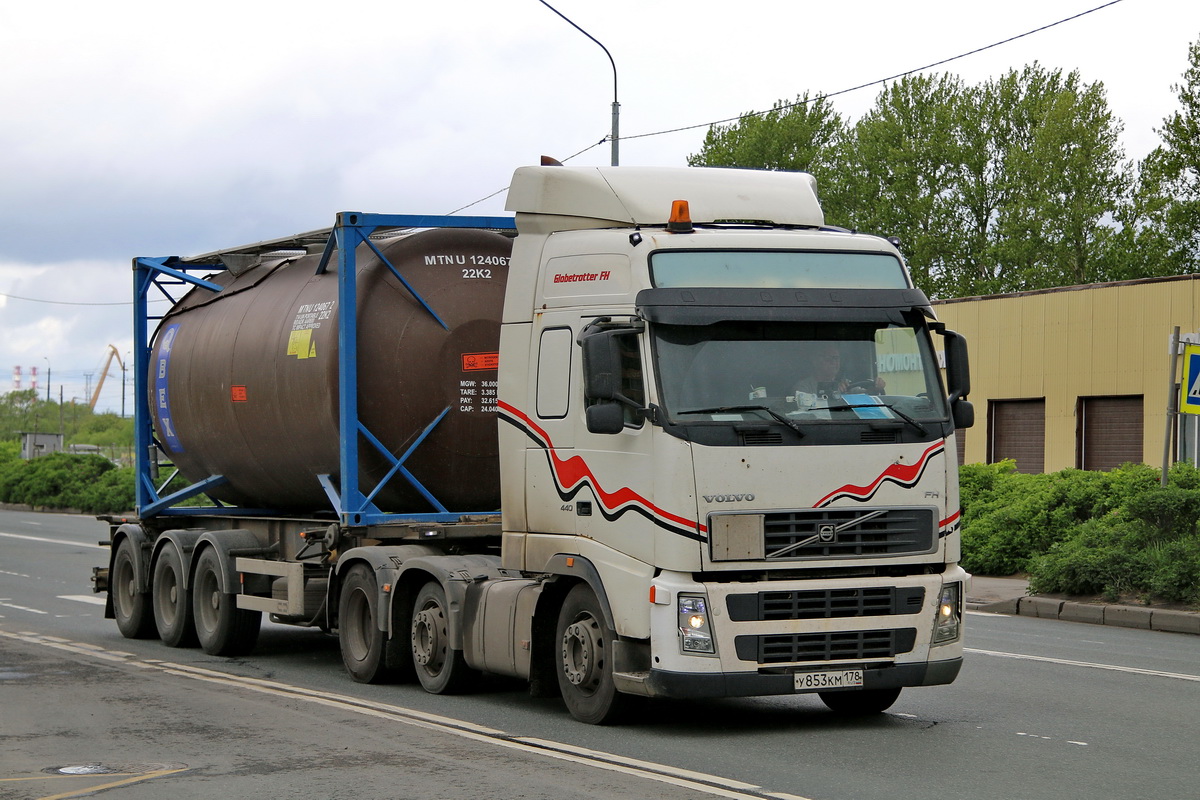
(1146, 618)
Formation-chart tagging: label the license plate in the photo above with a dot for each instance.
(843, 679)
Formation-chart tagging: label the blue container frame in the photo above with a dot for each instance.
(348, 500)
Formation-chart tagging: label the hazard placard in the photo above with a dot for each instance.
(1189, 387)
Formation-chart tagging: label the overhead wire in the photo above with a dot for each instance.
(879, 81)
(727, 120)
(786, 106)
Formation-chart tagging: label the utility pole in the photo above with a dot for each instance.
(615, 136)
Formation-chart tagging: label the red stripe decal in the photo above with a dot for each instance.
(572, 472)
(902, 474)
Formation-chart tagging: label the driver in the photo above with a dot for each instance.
(825, 374)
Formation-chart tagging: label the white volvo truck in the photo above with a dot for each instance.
(707, 451)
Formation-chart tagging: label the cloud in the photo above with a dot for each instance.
(139, 127)
(62, 317)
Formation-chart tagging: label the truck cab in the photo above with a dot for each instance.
(733, 418)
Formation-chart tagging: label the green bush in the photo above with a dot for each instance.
(1095, 560)
(1009, 517)
(1115, 534)
(88, 483)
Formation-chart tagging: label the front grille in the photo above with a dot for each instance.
(849, 532)
(842, 646)
(875, 601)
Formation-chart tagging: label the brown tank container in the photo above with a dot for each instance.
(244, 382)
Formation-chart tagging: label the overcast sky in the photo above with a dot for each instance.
(152, 128)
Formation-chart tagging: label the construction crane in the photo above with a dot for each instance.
(112, 353)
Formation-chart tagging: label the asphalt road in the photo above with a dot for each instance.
(1042, 709)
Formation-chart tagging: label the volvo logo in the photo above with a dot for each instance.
(727, 498)
(827, 532)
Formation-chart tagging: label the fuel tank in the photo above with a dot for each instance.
(244, 382)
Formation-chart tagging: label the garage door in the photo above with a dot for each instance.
(1109, 431)
(1017, 430)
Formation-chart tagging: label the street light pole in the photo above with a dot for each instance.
(615, 136)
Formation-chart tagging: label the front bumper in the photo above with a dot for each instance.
(662, 683)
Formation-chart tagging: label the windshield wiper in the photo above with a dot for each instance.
(920, 428)
(725, 409)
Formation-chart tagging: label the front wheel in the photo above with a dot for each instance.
(440, 668)
(861, 702)
(585, 660)
(222, 628)
(132, 608)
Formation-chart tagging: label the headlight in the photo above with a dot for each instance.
(695, 636)
(947, 626)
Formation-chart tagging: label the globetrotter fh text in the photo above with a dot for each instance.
(582, 276)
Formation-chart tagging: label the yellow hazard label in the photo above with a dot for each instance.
(301, 345)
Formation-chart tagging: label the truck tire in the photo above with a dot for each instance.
(440, 668)
(585, 660)
(222, 628)
(132, 609)
(861, 702)
(366, 650)
(172, 602)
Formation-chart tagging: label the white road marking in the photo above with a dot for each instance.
(15, 574)
(633, 762)
(42, 539)
(19, 608)
(92, 599)
(663, 773)
(1089, 664)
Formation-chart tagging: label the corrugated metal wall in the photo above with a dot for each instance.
(1063, 345)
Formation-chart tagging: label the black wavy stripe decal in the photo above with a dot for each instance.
(611, 516)
(902, 483)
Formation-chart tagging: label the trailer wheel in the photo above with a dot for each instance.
(440, 668)
(861, 702)
(222, 628)
(585, 660)
(366, 650)
(172, 602)
(135, 619)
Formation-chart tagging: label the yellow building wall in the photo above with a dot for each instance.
(1064, 344)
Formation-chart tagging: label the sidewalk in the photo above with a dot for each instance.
(1011, 596)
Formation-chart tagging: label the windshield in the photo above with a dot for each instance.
(776, 269)
(797, 373)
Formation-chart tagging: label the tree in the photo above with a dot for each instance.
(901, 171)
(1061, 175)
(1012, 184)
(801, 135)
(1169, 191)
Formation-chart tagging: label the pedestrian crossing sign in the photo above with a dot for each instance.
(1189, 388)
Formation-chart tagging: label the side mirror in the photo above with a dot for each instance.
(958, 371)
(605, 417)
(601, 367)
(963, 412)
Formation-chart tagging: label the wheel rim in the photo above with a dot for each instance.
(126, 587)
(166, 589)
(582, 649)
(209, 592)
(428, 638)
(358, 613)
